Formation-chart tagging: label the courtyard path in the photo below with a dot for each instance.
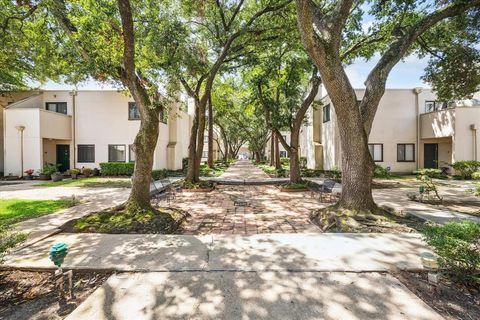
(244, 170)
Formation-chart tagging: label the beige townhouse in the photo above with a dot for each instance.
(411, 130)
(82, 128)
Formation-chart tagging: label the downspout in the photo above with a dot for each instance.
(74, 93)
(474, 138)
(21, 129)
(417, 91)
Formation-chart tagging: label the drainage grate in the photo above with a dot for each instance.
(241, 203)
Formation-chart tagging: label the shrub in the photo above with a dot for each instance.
(310, 173)
(87, 172)
(159, 174)
(476, 175)
(334, 174)
(117, 168)
(303, 162)
(381, 172)
(466, 168)
(292, 185)
(285, 161)
(49, 169)
(426, 176)
(184, 164)
(74, 171)
(458, 246)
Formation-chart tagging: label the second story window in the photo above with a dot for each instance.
(60, 107)
(431, 106)
(326, 113)
(133, 112)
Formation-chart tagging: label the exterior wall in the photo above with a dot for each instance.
(402, 118)
(5, 99)
(101, 118)
(32, 141)
(332, 156)
(395, 123)
(466, 140)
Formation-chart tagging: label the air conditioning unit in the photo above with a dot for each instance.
(473, 127)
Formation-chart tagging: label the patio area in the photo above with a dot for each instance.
(246, 210)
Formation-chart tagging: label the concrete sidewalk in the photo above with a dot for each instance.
(263, 252)
(253, 295)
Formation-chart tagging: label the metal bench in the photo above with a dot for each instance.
(326, 191)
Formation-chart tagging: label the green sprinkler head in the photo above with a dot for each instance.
(58, 252)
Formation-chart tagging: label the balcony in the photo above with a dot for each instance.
(54, 125)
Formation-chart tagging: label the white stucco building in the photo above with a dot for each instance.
(411, 130)
(81, 129)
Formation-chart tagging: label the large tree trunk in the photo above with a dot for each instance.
(144, 146)
(278, 163)
(295, 176)
(210, 133)
(200, 140)
(272, 148)
(192, 148)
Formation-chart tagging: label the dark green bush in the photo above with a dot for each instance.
(458, 246)
(310, 173)
(381, 172)
(334, 174)
(466, 168)
(117, 168)
(303, 162)
(285, 161)
(159, 174)
(184, 164)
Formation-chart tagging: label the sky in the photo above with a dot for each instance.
(405, 74)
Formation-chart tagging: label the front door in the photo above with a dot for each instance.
(430, 151)
(63, 157)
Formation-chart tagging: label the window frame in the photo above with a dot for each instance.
(130, 153)
(373, 156)
(404, 151)
(132, 103)
(125, 154)
(327, 106)
(56, 106)
(78, 152)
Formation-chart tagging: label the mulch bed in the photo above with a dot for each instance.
(32, 295)
(452, 301)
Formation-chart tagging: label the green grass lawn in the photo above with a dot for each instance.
(16, 210)
(94, 182)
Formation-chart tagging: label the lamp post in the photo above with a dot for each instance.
(21, 129)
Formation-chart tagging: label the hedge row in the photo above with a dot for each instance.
(117, 168)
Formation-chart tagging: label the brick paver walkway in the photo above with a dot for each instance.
(244, 170)
(264, 210)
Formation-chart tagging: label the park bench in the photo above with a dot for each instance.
(326, 191)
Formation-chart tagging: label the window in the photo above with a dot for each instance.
(405, 152)
(326, 113)
(431, 106)
(205, 139)
(205, 154)
(86, 153)
(133, 112)
(131, 153)
(376, 151)
(116, 153)
(285, 138)
(283, 154)
(60, 107)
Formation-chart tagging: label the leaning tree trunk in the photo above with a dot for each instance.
(278, 163)
(192, 148)
(200, 140)
(295, 176)
(210, 133)
(272, 148)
